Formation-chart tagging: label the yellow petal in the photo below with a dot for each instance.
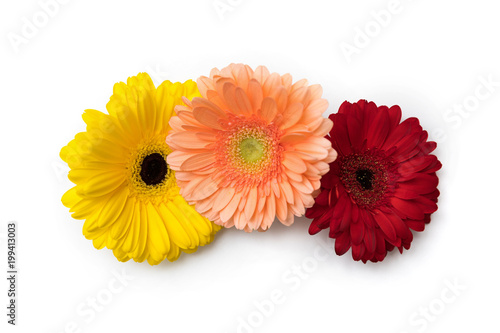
(176, 232)
(158, 235)
(121, 226)
(101, 184)
(70, 198)
(186, 225)
(112, 210)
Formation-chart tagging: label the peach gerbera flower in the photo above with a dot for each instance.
(251, 148)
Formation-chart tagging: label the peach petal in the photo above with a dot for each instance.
(276, 188)
(269, 109)
(242, 76)
(281, 209)
(207, 117)
(294, 163)
(176, 157)
(255, 94)
(270, 211)
(298, 96)
(205, 205)
(292, 138)
(251, 203)
(243, 102)
(299, 84)
(219, 85)
(316, 91)
(289, 219)
(187, 140)
(186, 101)
(292, 115)
(206, 188)
(260, 74)
(286, 190)
(186, 116)
(271, 83)
(223, 197)
(293, 175)
(301, 187)
(204, 84)
(198, 161)
(203, 102)
(176, 123)
(240, 221)
(324, 128)
(261, 201)
(286, 81)
(299, 208)
(229, 210)
(318, 152)
(317, 106)
(229, 94)
(280, 95)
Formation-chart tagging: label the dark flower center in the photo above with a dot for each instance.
(364, 178)
(154, 168)
(367, 177)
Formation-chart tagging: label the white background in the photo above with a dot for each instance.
(430, 57)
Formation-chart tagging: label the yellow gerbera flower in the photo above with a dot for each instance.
(125, 190)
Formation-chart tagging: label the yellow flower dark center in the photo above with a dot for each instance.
(154, 168)
(251, 150)
(149, 176)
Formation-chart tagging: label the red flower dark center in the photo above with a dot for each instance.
(366, 177)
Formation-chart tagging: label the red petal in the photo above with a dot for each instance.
(384, 224)
(357, 232)
(409, 208)
(380, 241)
(401, 229)
(395, 116)
(340, 135)
(405, 193)
(421, 183)
(342, 243)
(370, 240)
(355, 130)
(419, 163)
(358, 251)
(344, 108)
(378, 130)
(406, 127)
(416, 225)
(427, 205)
(406, 147)
(314, 229)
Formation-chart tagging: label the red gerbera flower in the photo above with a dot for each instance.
(382, 184)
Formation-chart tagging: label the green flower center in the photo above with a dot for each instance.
(251, 150)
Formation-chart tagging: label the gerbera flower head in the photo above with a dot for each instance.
(251, 148)
(125, 190)
(382, 185)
